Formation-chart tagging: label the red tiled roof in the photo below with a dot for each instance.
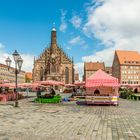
(128, 57)
(94, 66)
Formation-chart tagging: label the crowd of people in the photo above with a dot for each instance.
(50, 93)
(10, 94)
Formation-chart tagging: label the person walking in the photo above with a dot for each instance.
(27, 92)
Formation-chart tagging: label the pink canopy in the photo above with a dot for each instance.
(80, 83)
(50, 82)
(28, 85)
(21, 85)
(69, 85)
(101, 78)
(10, 85)
(4, 81)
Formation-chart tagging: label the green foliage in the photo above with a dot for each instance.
(123, 94)
(127, 93)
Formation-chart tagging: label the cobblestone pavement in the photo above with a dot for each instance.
(67, 121)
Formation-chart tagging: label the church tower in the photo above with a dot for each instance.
(53, 63)
(53, 36)
(53, 44)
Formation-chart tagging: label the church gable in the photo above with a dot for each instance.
(64, 57)
(53, 63)
(59, 53)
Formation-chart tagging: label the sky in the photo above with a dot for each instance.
(87, 30)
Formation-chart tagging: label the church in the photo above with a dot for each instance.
(54, 64)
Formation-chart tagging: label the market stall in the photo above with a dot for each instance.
(102, 88)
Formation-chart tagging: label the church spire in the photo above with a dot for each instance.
(53, 35)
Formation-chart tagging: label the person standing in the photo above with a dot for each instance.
(27, 92)
(38, 92)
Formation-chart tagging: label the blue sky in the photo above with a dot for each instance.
(88, 30)
(25, 25)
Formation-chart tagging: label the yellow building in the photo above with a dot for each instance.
(28, 77)
(10, 75)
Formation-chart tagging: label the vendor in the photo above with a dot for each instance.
(50, 95)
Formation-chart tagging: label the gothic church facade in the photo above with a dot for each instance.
(53, 64)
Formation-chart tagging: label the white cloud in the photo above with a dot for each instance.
(1, 46)
(117, 24)
(84, 47)
(105, 55)
(77, 40)
(63, 25)
(76, 21)
(27, 59)
(68, 48)
(79, 68)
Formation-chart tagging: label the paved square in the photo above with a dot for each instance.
(68, 121)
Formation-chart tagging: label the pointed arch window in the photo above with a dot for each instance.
(41, 74)
(67, 75)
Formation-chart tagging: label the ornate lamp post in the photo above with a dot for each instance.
(18, 64)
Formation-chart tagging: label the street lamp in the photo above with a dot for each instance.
(18, 64)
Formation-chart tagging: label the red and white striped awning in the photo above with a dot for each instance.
(100, 78)
(50, 82)
(80, 83)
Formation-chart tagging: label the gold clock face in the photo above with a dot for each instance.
(53, 56)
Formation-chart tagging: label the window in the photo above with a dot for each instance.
(67, 75)
(134, 72)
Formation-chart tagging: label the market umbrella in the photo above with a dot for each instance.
(70, 85)
(50, 82)
(80, 83)
(10, 85)
(4, 81)
(100, 78)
